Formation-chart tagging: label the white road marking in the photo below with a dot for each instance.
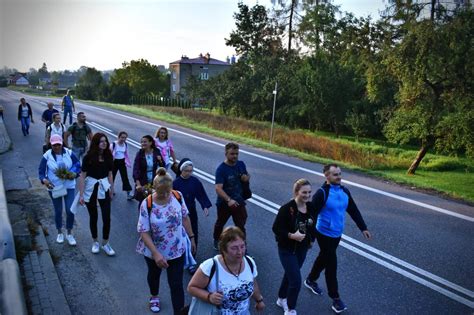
(409, 275)
(410, 266)
(273, 208)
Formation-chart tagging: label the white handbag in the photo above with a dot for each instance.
(59, 191)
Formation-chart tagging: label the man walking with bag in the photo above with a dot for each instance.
(332, 201)
(231, 177)
(81, 133)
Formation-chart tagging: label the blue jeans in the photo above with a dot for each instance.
(291, 282)
(25, 125)
(78, 152)
(58, 209)
(66, 112)
(175, 280)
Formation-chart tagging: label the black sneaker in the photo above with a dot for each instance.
(313, 286)
(338, 306)
(216, 245)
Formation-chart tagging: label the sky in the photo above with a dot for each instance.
(68, 34)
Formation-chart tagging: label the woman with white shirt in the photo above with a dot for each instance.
(95, 184)
(237, 277)
(56, 128)
(60, 189)
(25, 116)
(119, 149)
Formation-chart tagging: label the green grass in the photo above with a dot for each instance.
(28, 90)
(438, 173)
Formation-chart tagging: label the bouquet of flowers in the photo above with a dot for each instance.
(64, 174)
(147, 190)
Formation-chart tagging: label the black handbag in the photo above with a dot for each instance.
(246, 192)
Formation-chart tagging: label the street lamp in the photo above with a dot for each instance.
(275, 91)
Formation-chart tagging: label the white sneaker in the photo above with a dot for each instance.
(290, 312)
(60, 238)
(283, 303)
(108, 250)
(130, 195)
(95, 248)
(71, 240)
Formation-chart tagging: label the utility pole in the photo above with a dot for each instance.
(273, 115)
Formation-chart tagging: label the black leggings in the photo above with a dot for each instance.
(193, 217)
(105, 206)
(120, 166)
(175, 280)
(327, 259)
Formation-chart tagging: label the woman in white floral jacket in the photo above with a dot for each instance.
(163, 223)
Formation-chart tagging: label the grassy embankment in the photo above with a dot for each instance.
(451, 176)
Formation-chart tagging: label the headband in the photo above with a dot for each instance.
(186, 163)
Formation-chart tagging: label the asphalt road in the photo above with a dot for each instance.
(420, 260)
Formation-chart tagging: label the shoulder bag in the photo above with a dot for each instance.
(200, 307)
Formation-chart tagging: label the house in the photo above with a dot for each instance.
(203, 67)
(18, 79)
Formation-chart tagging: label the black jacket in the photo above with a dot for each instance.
(321, 195)
(286, 222)
(30, 112)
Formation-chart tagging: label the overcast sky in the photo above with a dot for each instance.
(67, 34)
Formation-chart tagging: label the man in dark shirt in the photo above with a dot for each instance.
(230, 201)
(47, 116)
(81, 133)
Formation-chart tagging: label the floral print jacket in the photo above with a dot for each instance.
(165, 225)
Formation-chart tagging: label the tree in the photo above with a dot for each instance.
(90, 85)
(137, 78)
(256, 34)
(435, 68)
(33, 76)
(289, 17)
(43, 70)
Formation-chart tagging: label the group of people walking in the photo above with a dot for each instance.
(168, 220)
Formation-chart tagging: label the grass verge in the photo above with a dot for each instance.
(442, 174)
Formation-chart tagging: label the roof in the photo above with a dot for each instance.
(17, 76)
(201, 60)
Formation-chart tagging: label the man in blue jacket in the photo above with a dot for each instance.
(332, 201)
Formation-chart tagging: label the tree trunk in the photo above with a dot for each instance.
(317, 29)
(421, 154)
(432, 9)
(290, 27)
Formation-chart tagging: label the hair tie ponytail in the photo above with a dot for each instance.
(161, 171)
